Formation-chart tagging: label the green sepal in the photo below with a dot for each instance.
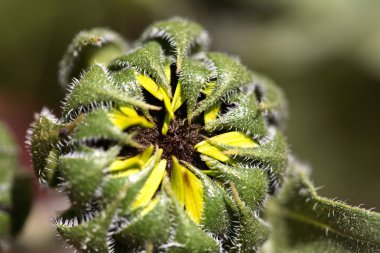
(217, 209)
(193, 76)
(147, 60)
(245, 116)
(44, 141)
(98, 45)
(188, 236)
(96, 125)
(126, 80)
(252, 232)
(271, 155)
(88, 232)
(305, 222)
(251, 182)
(96, 89)
(231, 75)
(143, 227)
(83, 174)
(271, 98)
(181, 36)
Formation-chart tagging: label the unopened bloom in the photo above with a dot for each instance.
(166, 147)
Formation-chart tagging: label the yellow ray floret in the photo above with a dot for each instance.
(158, 92)
(233, 140)
(152, 204)
(151, 185)
(212, 113)
(212, 151)
(178, 100)
(126, 117)
(188, 190)
(208, 88)
(132, 165)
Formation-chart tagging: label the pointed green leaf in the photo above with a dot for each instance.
(272, 155)
(84, 173)
(181, 35)
(218, 209)
(97, 125)
(271, 98)
(147, 60)
(188, 237)
(143, 227)
(252, 231)
(88, 232)
(193, 76)
(251, 182)
(231, 74)
(98, 45)
(44, 138)
(96, 89)
(244, 116)
(305, 222)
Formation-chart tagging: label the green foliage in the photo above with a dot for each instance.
(15, 190)
(98, 45)
(305, 222)
(170, 148)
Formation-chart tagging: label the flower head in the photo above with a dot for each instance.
(166, 146)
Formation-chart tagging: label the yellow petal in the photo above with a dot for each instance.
(152, 204)
(212, 113)
(210, 150)
(209, 87)
(235, 139)
(230, 139)
(176, 103)
(126, 117)
(150, 85)
(188, 190)
(128, 111)
(167, 103)
(176, 182)
(151, 185)
(168, 73)
(130, 163)
(144, 156)
(178, 99)
(135, 163)
(194, 197)
(165, 126)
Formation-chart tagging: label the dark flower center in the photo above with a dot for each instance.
(179, 141)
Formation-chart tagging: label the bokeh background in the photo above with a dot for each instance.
(324, 54)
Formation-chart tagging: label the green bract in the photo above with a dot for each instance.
(15, 190)
(306, 222)
(166, 147)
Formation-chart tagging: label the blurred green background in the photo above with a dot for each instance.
(324, 54)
